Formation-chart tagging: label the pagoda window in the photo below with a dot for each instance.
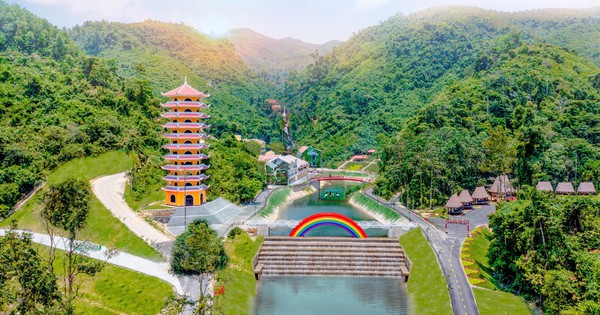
(188, 121)
(188, 99)
(197, 152)
(197, 120)
(174, 131)
(188, 142)
(172, 198)
(188, 152)
(197, 173)
(187, 131)
(175, 173)
(175, 184)
(175, 100)
(187, 110)
(188, 184)
(175, 110)
(197, 110)
(175, 163)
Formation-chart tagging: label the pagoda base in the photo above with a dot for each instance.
(178, 198)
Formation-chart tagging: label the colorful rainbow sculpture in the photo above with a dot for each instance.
(328, 219)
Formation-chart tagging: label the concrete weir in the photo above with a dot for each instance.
(331, 256)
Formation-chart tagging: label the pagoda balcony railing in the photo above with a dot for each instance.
(186, 146)
(189, 178)
(191, 136)
(186, 126)
(180, 168)
(185, 115)
(186, 188)
(185, 104)
(186, 157)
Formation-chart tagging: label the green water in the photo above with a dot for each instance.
(328, 295)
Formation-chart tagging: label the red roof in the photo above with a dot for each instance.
(185, 90)
(372, 151)
(359, 157)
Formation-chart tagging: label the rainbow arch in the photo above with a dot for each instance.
(328, 219)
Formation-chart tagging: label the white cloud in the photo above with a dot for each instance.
(370, 4)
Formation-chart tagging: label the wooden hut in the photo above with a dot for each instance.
(454, 206)
(544, 186)
(586, 188)
(501, 187)
(465, 199)
(565, 188)
(480, 196)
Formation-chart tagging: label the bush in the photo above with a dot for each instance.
(235, 232)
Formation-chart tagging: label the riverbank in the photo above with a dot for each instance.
(372, 208)
(280, 198)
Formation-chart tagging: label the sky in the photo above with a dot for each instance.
(313, 21)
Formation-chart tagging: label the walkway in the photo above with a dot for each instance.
(142, 265)
(109, 190)
(447, 251)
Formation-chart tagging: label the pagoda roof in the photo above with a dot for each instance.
(185, 125)
(480, 193)
(189, 178)
(186, 146)
(454, 202)
(178, 168)
(185, 115)
(185, 90)
(185, 104)
(186, 157)
(184, 135)
(544, 186)
(185, 188)
(465, 197)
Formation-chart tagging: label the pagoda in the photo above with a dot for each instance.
(184, 182)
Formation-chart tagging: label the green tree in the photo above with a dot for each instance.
(199, 251)
(28, 284)
(66, 206)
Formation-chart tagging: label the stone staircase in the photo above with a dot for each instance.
(331, 256)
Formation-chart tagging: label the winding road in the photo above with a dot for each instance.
(447, 251)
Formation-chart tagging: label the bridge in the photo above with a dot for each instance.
(340, 177)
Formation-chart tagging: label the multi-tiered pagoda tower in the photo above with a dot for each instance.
(186, 142)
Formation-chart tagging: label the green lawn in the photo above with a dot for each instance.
(427, 286)
(490, 299)
(238, 276)
(152, 201)
(373, 168)
(101, 226)
(475, 260)
(500, 303)
(354, 166)
(375, 207)
(117, 290)
(276, 199)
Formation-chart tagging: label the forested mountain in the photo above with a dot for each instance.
(164, 53)
(458, 74)
(272, 58)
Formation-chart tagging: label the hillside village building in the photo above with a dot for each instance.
(184, 181)
(286, 170)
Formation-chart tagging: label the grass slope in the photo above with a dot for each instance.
(276, 199)
(490, 299)
(101, 226)
(426, 286)
(500, 303)
(375, 207)
(238, 276)
(117, 290)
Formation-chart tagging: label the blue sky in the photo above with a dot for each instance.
(315, 21)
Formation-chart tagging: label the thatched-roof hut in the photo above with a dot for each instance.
(480, 196)
(565, 188)
(454, 206)
(465, 199)
(586, 188)
(502, 187)
(544, 186)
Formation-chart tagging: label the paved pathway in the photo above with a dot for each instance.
(447, 250)
(145, 266)
(109, 189)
